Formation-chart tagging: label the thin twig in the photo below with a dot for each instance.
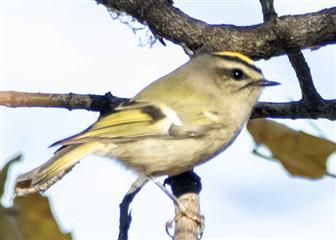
(312, 104)
(268, 10)
(70, 101)
(295, 56)
(308, 90)
(125, 216)
(329, 174)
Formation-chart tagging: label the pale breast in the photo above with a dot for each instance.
(168, 156)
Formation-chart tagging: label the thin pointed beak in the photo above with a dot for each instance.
(267, 83)
(260, 83)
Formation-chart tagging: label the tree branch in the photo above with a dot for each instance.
(302, 70)
(106, 103)
(188, 221)
(125, 216)
(296, 58)
(268, 11)
(102, 103)
(312, 104)
(296, 110)
(260, 41)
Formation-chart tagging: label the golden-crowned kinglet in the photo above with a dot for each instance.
(176, 123)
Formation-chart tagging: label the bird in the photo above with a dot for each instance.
(176, 123)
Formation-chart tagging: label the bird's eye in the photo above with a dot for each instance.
(237, 74)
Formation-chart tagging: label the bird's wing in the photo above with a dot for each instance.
(137, 120)
(131, 121)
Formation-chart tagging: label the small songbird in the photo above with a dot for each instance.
(176, 123)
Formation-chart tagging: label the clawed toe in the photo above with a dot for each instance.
(195, 217)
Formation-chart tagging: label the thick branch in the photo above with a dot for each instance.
(296, 110)
(257, 41)
(104, 103)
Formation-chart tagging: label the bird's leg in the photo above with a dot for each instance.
(186, 187)
(181, 196)
(166, 191)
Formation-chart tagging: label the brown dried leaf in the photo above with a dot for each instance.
(300, 153)
(35, 219)
(29, 218)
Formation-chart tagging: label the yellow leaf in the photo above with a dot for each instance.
(300, 153)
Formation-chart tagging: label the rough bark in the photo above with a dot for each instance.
(261, 41)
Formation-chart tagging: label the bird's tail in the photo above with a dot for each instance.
(41, 178)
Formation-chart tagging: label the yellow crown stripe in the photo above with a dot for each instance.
(235, 54)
